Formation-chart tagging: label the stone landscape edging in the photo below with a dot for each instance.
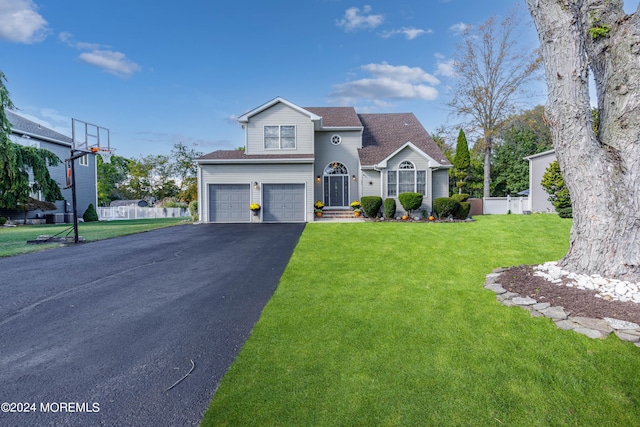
(592, 328)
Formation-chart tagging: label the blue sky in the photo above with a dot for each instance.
(159, 73)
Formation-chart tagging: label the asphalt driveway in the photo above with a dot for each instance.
(96, 334)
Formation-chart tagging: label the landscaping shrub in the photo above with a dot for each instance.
(371, 205)
(460, 197)
(193, 210)
(389, 208)
(565, 212)
(410, 201)
(445, 206)
(3, 220)
(90, 214)
(463, 212)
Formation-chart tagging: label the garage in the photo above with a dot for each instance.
(229, 203)
(283, 202)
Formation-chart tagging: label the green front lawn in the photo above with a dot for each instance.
(389, 324)
(13, 240)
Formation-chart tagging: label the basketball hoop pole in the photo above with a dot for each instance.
(75, 154)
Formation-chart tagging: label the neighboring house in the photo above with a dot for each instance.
(538, 197)
(294, 156)
(26, 132)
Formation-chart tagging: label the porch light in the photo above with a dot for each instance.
(255, 185)
(318, 179)
(353, 177)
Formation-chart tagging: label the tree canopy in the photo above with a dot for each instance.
(492, 70)
(21, 164)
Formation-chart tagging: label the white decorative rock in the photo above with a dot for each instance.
(620, 324)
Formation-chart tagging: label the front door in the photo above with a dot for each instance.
(336, 190)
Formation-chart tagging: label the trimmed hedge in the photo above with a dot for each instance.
(371, 205)
(445, 206)
(460, 197)
(389, 208)
(465, 208)
(3, 220)
(410, 201)
(565, 212)
(90, 215)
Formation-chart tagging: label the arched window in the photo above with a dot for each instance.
(336, 168)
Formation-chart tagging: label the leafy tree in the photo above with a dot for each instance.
(112, 179)
(492, 70)
(553, 184)
(185, 170)
(462, 161)
(600, 170)
(18, 161)
(523, 135)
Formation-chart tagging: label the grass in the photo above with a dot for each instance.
(388, 324)
(13, 240)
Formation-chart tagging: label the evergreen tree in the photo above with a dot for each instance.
(462, 161)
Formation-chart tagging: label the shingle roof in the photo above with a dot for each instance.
(21, 125)
(385, 133)
(240, 155)
(336, 116)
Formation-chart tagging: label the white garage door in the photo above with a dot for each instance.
(229, 203)
(283, 202)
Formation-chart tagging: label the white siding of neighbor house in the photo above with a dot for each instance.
(538, 197)
(345, 153)
(296, 173)
(279, 115)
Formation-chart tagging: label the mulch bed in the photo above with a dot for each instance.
(575, 301)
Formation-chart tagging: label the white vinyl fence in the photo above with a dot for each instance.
(137, 212)
(503, 205)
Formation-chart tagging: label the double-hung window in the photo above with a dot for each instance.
(84, 160)
(406, 180)
(279, 137)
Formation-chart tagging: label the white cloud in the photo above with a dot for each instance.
(459, 28)
(353, 20)
(401, 73)
(21, 23)
(115, 63)
(446, 68)
(67, 38)
(409, 33)
(387, 82)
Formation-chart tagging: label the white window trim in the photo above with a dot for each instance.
(335, 139)
(84, 160)
(295, 131)
(411, 168)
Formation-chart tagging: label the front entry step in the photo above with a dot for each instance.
(336, 215)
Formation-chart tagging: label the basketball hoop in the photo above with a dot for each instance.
(105, 153)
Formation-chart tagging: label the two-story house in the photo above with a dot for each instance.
(27, 132)
(294, 156)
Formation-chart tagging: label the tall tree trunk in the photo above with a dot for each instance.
(602, 172)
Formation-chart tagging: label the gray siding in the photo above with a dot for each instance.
(370, 183)
(421, 164)
(256, 173)
(279, 114)
(345, 153)
(440, 185)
